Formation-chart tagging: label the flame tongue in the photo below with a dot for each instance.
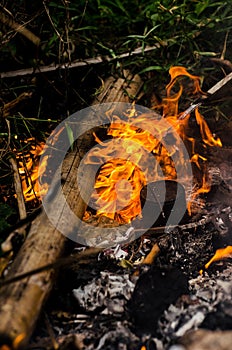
(28, 170)
(124, 172)
(206, 134)
(176, 72)
(118, 187)
(127, 165)
(119, 181)
(220, 254)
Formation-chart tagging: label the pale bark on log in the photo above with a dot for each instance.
(22, 301)
(204, 339)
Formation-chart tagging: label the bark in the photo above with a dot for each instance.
(21, 302)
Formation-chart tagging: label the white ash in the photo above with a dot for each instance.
(110, 290)
(194, 322)
(176, 347)
(120, 332)
(116, 252)
(206, 293)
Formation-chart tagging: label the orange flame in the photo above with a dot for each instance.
(17, 342)
(171, 112)
(220, 254)
(28, 170)
(206, 134)
(119, 181)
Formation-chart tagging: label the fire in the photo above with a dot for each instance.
(121, 178)
(28, 169)
(220, 254)
(207, 137)
(119, 181)
(17, 342)
(170, 107)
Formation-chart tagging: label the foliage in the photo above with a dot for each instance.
(182, 30)
(73, 30)
(6, 213)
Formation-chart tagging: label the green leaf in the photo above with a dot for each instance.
(201, 6)
(86, 28)
(70, 135)
(151, 68)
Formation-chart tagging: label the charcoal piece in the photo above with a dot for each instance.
(155, 290)
(163, 201)
(219, 319)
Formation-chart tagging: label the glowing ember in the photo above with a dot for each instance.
(220, 254)
(28, 170)
(122, 202)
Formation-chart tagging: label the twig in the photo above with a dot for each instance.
(77, 63)
(4, 150)
(220, 84)
(212, 96)
(224, 46)
(7, 107)
(191, 225)
(226, 64)
(20, 28)
(6, 246)
(51, 333)
(152, 255)
(18, 189)
(52, 23)
(77, 259)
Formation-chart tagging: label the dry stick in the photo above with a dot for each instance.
(89, 61)
(21, 303)
(62, 262)
(206, 339)
(51, 332)
(5, 112)
(85, 62)
(213, 92)
(150, 258)
(18, 189)
(20, 28)
(220, 84)
(156, 231)
(77, 63)
(224, 46)
(225, 64)
(7, 107)
(6, 246)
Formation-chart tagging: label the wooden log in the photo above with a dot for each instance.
(204, 339)
(121, 89)
(22, 301)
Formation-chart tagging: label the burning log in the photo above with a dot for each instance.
(44, 245)
(21, 303)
